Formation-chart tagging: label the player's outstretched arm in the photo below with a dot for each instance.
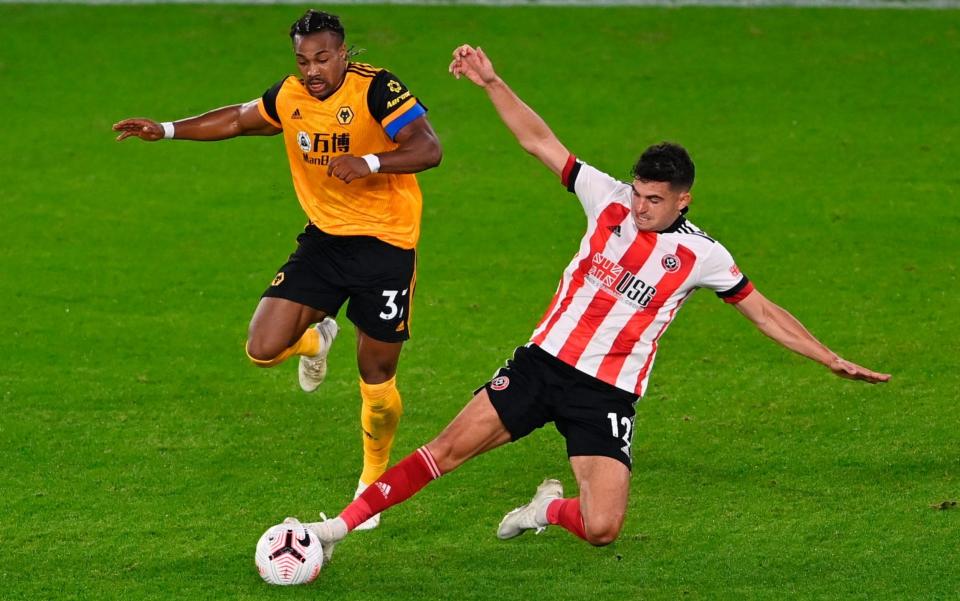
(529, 128)
(781, 326)
(220, 124)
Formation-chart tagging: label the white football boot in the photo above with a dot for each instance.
(326, 530)
(374, 521)
(531, 516)
(314, 369)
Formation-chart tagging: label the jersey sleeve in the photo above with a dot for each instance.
(268, 104)
(391, 103)
(720, 273)
(593, 187)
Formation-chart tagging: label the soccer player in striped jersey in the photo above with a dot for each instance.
(354, 137)
(589, 359)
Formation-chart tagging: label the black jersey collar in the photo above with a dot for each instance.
(677, 223)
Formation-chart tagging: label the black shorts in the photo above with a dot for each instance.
(377, 278)
(535, 387)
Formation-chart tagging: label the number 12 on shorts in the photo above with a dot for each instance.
(391, 309)
(627, 430)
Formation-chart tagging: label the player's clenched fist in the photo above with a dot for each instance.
(348, 168)
(145, 129)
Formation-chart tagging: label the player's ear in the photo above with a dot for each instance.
(685, 200)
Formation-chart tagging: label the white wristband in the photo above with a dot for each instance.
(373, 162)
(168, 130)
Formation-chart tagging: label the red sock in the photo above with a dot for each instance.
(396, 485)
(566, 513)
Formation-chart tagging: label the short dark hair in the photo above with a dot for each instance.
(315, 21)
(666, 162)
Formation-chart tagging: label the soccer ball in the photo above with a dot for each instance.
(289, 553)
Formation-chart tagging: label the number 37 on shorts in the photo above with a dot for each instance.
(395, 304)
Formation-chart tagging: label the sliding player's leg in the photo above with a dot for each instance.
(596, 515)
(476, 430)
(505, 409)
(596, 419)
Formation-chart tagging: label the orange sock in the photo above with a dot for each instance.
(309, 345)
(379, 419)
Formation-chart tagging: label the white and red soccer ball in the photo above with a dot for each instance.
(289, 553)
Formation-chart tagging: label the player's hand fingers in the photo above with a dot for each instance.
(482, 56)
(128, 133)
(341, 170)
(876, 377)
(476, 63)
(852, 371)
(333, 164)
(867, 376)
(133, 124)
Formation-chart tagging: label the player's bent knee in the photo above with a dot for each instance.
(602, 531)
(602, 538)
(377, 374)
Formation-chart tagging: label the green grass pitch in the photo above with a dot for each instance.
(141, 455)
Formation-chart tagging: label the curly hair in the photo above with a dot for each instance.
(666, 162)
(314, 21)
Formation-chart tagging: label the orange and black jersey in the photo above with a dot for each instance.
(362, 116)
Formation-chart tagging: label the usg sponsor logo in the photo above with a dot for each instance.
(611, 276)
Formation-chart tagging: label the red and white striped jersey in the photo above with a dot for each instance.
(624, 286)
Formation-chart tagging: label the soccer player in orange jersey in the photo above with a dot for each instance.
(354, 137)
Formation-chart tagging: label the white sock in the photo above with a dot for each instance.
(330, 530)
(540, 515)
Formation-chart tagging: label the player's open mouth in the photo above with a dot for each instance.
(316, 85)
